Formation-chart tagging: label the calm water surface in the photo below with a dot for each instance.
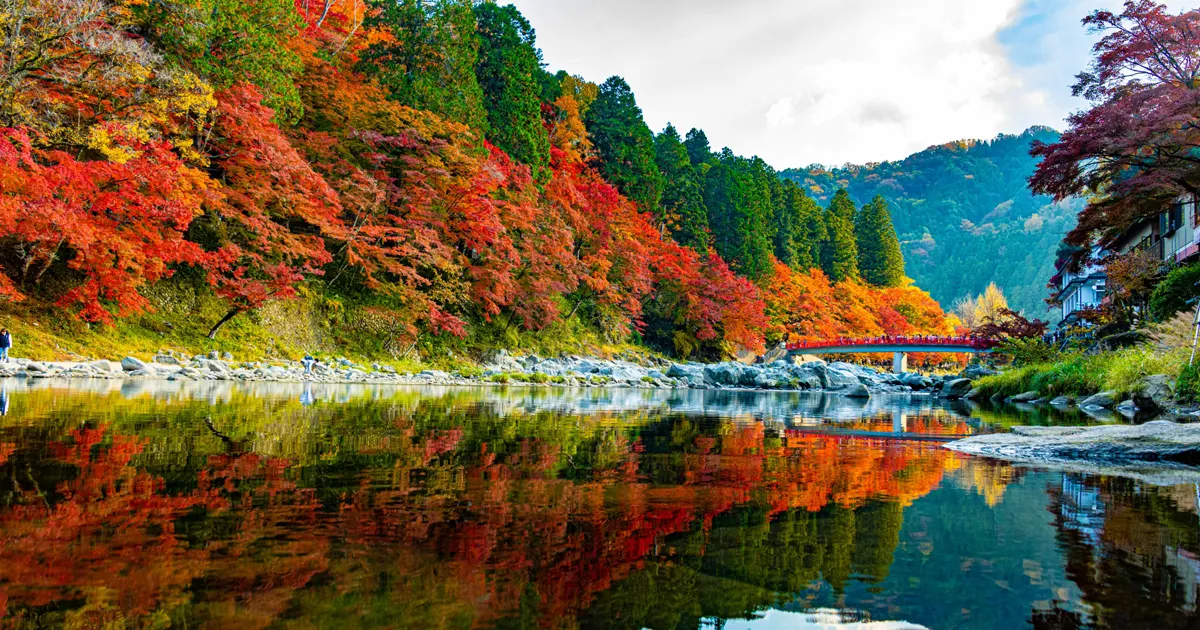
(147, 505)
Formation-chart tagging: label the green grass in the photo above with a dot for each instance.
(316, 322)
(1080, 375)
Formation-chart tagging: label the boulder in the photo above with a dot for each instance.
(34, 367)
(166, 359)
(1063, 401)
(129, 364)
(226, 356)
(976, 371)
(723, 374)
(813, 369)
(1154, 392)
(840, 378)
(1103, 400)
(214, 355)
(956, 388)
(218, 367)
(974, 394)
(857, 391)
(1028, 396)
(104, 365)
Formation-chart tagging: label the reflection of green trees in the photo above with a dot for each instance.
(749, 560)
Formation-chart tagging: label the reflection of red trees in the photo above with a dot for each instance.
(498, 523)
(112, 530)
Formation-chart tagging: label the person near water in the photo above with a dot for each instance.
(5, 343)
(308, 362)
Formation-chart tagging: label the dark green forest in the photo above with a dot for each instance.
(964, 215)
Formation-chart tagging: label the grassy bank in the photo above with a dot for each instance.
(1078, 374)
(315, 322)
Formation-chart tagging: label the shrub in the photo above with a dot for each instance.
(470, 371)
(1188, 384)
(502, 377)
(1124, 368)
(1009, 382)
(558, 379)
(537, 377)
(1173, 292)
(1027, 351)
(1075, 374)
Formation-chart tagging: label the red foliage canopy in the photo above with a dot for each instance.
(1138, 147)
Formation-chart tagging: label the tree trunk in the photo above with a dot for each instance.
(212, 334)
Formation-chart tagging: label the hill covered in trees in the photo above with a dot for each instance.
(412, 173)
(964, 215)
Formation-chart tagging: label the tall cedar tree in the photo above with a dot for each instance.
(697, 146)
(625, 144)
(683, 197)
(879, 259)
(510, 73)
(427, 57)
(738, 198)
(799, 227)
(839, 253)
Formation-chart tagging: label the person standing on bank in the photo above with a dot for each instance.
(5, 344)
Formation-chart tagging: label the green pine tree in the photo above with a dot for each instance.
(839, 252)
(879, 259)
(697, 146)
(511, 76)
(799, 227)
(737, 195)
(625, 144)
(682, 198)
(430, 63)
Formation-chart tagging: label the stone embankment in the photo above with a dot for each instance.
(842, 378)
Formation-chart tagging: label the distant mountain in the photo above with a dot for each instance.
(964, 215)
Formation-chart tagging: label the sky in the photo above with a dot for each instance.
(799, 82)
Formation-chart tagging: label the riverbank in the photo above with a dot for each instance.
(1143, 379)
(502, 368)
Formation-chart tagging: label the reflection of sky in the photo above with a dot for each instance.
(815, 620)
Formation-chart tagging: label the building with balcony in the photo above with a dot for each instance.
(1079, 291)
(1172, 237)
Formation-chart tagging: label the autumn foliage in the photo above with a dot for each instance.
(255, 150)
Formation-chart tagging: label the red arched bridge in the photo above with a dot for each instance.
(899, 346)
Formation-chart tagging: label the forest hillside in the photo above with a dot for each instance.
(965, 215)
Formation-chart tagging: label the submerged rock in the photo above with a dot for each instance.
(956, 388)
(1029, 396)
(1103, 400)
(858, 391)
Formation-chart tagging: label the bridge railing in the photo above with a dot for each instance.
(975, 343)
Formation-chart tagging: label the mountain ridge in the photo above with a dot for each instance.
(959, 207)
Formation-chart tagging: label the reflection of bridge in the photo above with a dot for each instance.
(899, 346)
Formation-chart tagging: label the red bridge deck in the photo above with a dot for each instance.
(901, 343)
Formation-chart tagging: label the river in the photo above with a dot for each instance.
(155, 504)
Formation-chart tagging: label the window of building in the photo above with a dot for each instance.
(1171, 220)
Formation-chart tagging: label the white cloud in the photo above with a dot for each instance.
(781, 113)
(827, 81)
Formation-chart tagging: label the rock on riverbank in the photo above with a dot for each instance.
(1160, 442)
(501, 367)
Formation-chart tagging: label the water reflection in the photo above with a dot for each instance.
(481, 508)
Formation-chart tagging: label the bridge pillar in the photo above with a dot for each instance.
(899, 362)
